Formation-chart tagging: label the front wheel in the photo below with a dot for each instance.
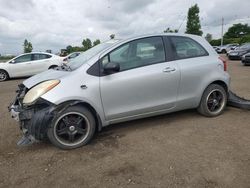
(213, 101)
(72, 128)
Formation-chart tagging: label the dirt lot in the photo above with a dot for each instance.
(182, 149)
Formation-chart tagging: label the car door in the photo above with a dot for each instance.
(195, 66)
(21, 66)
(146, 82)
(40, 62)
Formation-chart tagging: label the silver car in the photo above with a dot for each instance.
(121, 80)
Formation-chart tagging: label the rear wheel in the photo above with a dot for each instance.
(72, 128)
(53, 66)
(213, 101)
(3, 75)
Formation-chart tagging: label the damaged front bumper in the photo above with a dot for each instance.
(34, 120)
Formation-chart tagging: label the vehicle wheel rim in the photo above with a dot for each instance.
(3, 76)
(215, 101)
(71, 128)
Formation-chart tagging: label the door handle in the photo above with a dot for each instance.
(169, 69)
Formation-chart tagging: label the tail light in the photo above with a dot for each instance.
(224, 63)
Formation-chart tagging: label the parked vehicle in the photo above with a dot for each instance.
(28, 64)
(246, 59)
(121, 80)
(232, 47)
(216, 48)
(71, 56)
(223, 49)
(239, 52)
(232, 50)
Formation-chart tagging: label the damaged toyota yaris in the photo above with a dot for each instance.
(117, 81)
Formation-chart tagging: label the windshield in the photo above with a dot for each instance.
(85, 56)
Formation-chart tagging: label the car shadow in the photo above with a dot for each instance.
(160, 120)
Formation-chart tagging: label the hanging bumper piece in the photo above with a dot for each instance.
(238, 102)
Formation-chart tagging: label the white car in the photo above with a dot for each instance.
(28, 64)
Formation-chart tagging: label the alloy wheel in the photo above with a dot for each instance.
(215, 101)
(71, 128)
(3, 76)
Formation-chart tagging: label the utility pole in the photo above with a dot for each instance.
(222, 25)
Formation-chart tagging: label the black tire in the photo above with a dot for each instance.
(213, 101)
(3, 75)
(223, 51)
(67, 126)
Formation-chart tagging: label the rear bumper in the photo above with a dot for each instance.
(245, 61)
(238, 102)
(235, 57)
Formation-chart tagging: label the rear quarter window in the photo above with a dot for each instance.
(185, 47)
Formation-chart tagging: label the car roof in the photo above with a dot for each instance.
(160, 34)
(38, 53)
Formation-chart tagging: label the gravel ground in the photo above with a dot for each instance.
(181, 149)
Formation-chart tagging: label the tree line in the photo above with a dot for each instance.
(238, 33)
(86, 44)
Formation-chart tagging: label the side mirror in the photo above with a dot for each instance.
(111, 67)
(12, 62)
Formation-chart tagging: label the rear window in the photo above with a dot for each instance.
(185, 47)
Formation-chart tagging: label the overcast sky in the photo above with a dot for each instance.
(54, 24)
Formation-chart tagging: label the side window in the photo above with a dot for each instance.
(35, 57)
(44, 56)
(185, 47)
(120, 55)
(23, 58)
(40, 56)
(137, 53)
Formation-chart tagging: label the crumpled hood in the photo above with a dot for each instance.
(47, 75)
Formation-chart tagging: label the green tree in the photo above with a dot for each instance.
(193, 21)
(112, 36)
(27, 46)
(96, 42)
(237, 31)
(87, 44)
(208, 37)
(69, 49)
(168, 30)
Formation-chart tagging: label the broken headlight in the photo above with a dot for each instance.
(34, 93)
